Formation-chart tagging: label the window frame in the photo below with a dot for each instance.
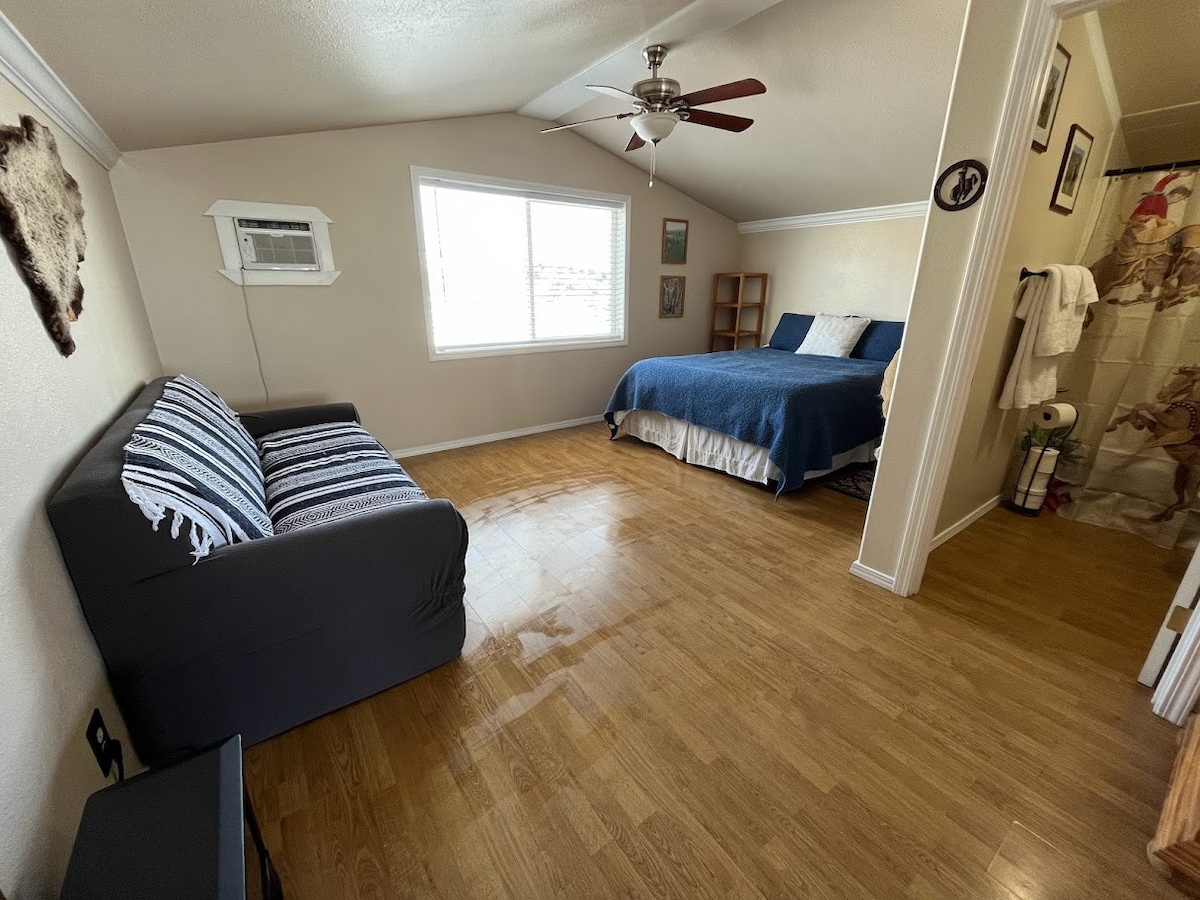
(487, 181)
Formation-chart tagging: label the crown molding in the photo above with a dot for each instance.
(29, 73)
(838, 217)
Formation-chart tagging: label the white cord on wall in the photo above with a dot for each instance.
(254, 341)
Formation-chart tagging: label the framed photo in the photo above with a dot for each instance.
(670, 296)
(1070, 173)
(1051, 94)
(674, 251)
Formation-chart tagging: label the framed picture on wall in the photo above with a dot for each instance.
(1051, 94)
(670, 296)
(674, 241)
(1070, 173)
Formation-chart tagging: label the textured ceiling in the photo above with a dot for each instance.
(856, 99)
(1153, 52)
(162, 73)
(856, 89)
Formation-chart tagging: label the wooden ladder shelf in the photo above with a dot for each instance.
(738, 306)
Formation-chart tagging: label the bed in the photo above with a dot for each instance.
(764, 415)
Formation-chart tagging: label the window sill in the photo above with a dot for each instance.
(522, 349)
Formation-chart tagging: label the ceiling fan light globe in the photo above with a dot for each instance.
(654, 126)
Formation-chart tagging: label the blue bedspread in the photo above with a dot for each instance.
(803, 409)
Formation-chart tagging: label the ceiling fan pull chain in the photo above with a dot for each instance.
(653, 151)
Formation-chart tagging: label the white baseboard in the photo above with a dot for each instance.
(969, 519)
(866, 573)
(488, 438)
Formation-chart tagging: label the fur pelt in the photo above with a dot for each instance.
(41, 215)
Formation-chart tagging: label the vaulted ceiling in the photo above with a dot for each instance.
(856, 97)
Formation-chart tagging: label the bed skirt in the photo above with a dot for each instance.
(702, 446)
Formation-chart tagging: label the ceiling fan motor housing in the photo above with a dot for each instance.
(657, 93)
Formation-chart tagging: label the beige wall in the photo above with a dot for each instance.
(862, 269)
(363, 338)
(1038, 237)
(52, 409)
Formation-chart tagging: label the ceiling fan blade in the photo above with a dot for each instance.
(747, 87)
(613, 92)
(634, 142)
(718, 120)
(585, 121)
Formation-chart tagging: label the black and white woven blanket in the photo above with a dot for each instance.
(191, 457)
(322, 473)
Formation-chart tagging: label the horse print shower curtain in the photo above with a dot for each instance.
(1135, 376)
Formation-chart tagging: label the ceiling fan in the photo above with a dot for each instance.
(660, 106)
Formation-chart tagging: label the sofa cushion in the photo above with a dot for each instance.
(322, 473)
(190, 458)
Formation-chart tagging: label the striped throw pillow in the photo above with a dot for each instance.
(191, 457)
(322, 473)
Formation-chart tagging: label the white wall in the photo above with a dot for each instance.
(863, 269)
(973, 123)
(52, 409)
(363, 338)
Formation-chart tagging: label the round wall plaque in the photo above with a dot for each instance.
(960, 185)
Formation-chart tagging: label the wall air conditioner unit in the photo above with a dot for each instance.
(273, 243)
(276, 245)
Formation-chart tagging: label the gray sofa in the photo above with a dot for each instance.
(260, 636)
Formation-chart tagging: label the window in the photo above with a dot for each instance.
(511, 267)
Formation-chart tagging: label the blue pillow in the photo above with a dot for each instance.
(880, 341)
(789, 333)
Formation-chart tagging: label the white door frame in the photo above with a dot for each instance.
(926, 487)
(1179, 687)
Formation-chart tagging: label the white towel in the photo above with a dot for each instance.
(1066, 306)
(1053, 308)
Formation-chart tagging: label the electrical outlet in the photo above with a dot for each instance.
(106, 750)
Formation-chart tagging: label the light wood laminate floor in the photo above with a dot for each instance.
(672, 688)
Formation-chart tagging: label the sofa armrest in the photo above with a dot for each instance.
(245, 596)
(267, 421)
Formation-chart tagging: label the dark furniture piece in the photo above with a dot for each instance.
(181, 832)
(260, 636)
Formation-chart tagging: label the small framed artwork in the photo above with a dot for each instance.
(675, 237)
(1070, 173)
(1051, 94)
(670, 296)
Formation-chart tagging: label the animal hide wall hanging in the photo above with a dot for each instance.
(41, 215)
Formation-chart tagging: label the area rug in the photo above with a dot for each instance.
(853, 481)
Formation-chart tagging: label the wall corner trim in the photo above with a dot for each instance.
(965, 522)
(1108, 85)
(866, 573)
(33, 77)
(838, 217)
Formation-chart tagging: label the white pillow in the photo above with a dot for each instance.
(833, 335)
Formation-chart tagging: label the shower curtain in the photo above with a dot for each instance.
(1135, 376)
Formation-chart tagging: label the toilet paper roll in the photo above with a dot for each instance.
(1056, 415)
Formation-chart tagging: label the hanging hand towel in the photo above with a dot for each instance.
(1031, 379)
(1062, 315)
(1053, 307)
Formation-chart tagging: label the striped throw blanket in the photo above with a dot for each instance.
(191, 457)
(322, 473)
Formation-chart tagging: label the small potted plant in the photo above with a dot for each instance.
(1044, 449)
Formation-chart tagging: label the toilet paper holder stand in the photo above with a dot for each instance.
(1033, 478)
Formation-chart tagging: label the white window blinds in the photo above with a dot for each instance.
(512, 267)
